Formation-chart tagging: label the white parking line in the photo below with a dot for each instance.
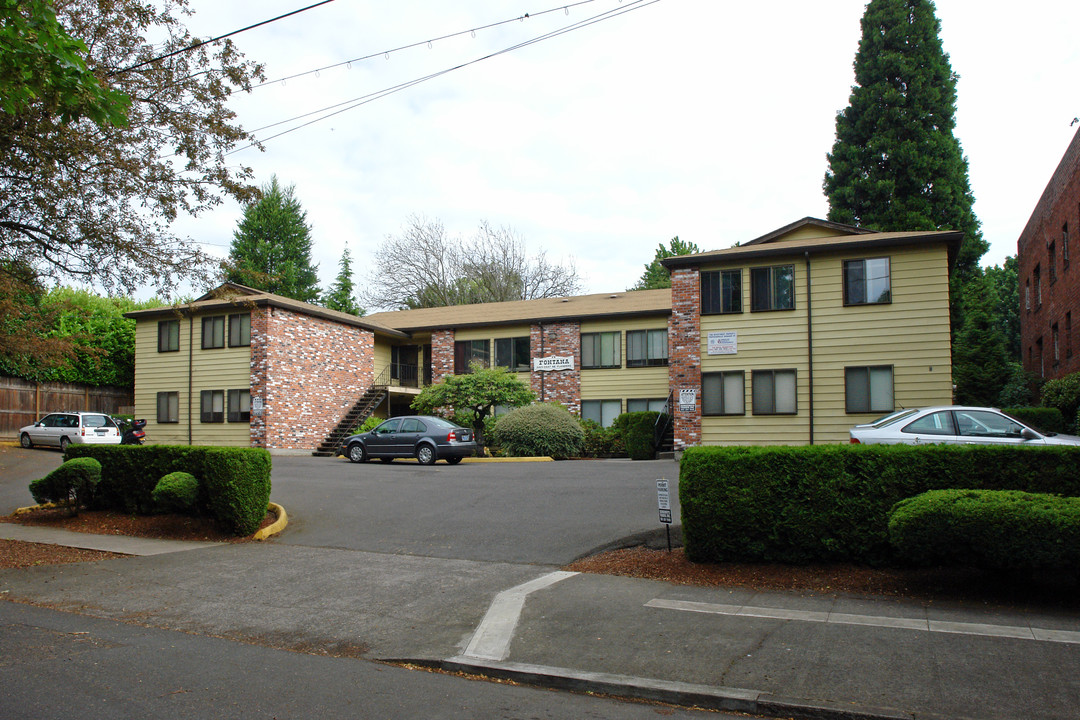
(491, 641)
(936, 626)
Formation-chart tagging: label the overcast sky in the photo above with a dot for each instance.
(705, 119)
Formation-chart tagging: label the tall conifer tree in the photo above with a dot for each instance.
(896, 164)
(271, 248)
(341, 295)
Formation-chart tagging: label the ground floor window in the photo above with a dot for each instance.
(168, 407)
(722, 393)
(642, 405)
(774, 392)
(868, 389)
(601, 411)
(212, 406)
(239, 406)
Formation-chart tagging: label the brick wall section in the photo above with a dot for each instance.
(308, 371)
(1059, 204)
(442, 354)
(561, 339)
(684, 352)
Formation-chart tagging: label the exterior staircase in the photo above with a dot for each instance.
(357, 414)
(664, 431)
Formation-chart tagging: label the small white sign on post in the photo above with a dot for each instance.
(663, 500)
(256, 405)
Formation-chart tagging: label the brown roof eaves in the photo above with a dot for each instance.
(804, 222)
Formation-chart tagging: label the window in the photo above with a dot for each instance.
(722, 393)
(868, 389)
(412, 425)
(721, 292)
(1027, 295)
(1039, 357)
(1065, 246)
(1036, 277)
(212, 406)
(774, 392)
(239, 330)
(168, 407)
(1054, 341)
(601, 411)
(168, 336)
(601, 350)
(867, 282)
(646, 348)
(213, 332)
(939, 423)
(1068, 334)
(1051, 254)
(239, 406)
(513, 353)
(980, 423)
(642, 405)
(467, 352)
(772, 288)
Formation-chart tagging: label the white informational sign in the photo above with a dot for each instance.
(687, 400)
(724, 343)
(663, 500)
(256, 405)
(551, 364)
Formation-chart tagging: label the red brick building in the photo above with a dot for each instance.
(1049, 273)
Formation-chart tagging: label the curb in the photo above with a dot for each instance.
(727, 699)
(277, 526)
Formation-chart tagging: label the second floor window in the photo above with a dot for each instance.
(467, 352)
(513, 353)
(646, 348)
(772, 288)
(213, 332)
(721, 292)
(601, 350)
(168, 336)
(867, 282)
(239, 330)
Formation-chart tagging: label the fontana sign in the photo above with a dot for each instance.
(553, 363)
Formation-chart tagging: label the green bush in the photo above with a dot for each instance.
(176, 492)
(1063, 394)
(71, 485)
(600, 441)
(1043, 419)
(543, 429)
(235, 481)
(368, 425)
(831, 502)
(992, 529)
(640, 433)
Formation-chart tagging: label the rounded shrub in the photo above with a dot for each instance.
(640, 433)
(544, 429)
(1043, 419)
(176, 492)
(1063, 394)
(993, 529)
(72, 484)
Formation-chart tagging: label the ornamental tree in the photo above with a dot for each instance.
(475, 395)
(657, 276)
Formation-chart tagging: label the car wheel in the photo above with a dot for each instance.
(357, 454)
(387, 460)
(453, 460)
(24, 440)
(64, 442)
(425, 454)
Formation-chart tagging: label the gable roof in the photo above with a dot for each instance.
(813, 245)
(232, 296)
(827, 228)
(621, 304)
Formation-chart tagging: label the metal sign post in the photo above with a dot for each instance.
(663, 499)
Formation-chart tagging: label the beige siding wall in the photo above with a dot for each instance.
(624, 383)
(217, 369)
(911, 334)
(382, 355)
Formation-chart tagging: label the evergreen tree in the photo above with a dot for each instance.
(1006, 284)
(657, 276)
(895, 164)
(980, 363)
(340, 297)
(271, 248)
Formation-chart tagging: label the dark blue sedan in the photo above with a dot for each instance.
(425, 437)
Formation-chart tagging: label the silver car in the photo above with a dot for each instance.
(953, 425)
(62, 428)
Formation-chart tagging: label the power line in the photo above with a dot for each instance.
(200, 43)
(371, 97)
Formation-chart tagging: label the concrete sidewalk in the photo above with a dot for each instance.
(776, 654)
(123, 544)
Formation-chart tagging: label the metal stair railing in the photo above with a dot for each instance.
(360, 411)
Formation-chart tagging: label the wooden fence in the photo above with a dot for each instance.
(23, 403)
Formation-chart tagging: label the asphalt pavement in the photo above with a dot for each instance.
(776, 654)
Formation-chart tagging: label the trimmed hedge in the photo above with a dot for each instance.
(831, 502)
(543, 429)
(1045, 420)
(72, 484)
(176, 492)
(640, 434)
(234, 486)
(992, 529)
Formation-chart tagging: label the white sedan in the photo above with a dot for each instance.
(953, 425)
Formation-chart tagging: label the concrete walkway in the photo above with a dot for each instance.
(110, 543)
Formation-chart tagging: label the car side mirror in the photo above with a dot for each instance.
(1029, 434)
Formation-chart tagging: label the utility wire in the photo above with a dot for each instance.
(200, 43)
(365, 99)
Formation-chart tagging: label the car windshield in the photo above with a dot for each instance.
(887, 420)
